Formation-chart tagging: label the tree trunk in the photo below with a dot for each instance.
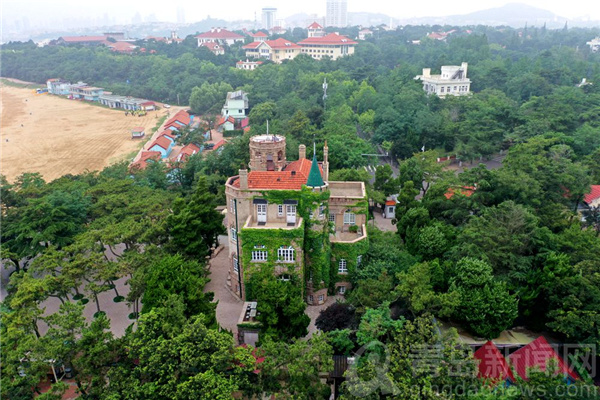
(97, 303)
(114, 285)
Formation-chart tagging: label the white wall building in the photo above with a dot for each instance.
(336, 13)
(452, 81)
(594, 44)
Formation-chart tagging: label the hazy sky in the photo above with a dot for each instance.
(53, 12)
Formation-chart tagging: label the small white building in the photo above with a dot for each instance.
(452, 81)
(248, 65)
(594, 44)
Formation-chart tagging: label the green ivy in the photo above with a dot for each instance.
(349, 252)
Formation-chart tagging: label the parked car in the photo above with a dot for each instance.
(166, 106)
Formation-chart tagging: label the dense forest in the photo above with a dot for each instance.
(487, 249)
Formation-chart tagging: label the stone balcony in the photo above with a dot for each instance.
(251, 223)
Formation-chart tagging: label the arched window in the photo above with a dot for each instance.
(286, 254)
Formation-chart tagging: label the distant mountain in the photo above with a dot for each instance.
(513, 14)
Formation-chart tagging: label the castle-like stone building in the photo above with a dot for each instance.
(288, 216)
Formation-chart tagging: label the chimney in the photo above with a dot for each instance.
(301, 152)
(426, 72)
(244, 179)
(464, 67)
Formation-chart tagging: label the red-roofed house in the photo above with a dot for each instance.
(315, 30)
(492, 364)
(219, 144)
(278, 197)
(592, 199)
(215, 47)
(364, 33)
(182, 118)
(537, 354)
(258, 36)
(332, 46)
(187, 151)
(219, 35)
(275, 50)
(163, 145)
(121, 47)
(437, 36)
(147, 156)
(82, 40)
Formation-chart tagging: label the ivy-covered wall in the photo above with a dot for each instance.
(350, 253)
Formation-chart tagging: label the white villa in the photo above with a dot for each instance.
(452, 81)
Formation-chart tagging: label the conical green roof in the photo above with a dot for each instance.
(314, 177)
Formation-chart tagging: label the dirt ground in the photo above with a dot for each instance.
(56, 136)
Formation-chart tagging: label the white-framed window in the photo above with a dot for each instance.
(232, 205)
(349, 218)
(233, 234)
(341, 289)
(236, 264)
(321, 298)
(286, 254)
(342, 267)
(331, 217)
(358, 260)
(259, 255)
(321, 211)
(310, 214)
(285, 277)
(280, 210)
(311, 299)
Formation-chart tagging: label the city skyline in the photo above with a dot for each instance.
(30, 14)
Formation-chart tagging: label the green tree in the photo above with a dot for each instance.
(173, 275)
(293, 369)
(209, 97)
(195, 224)
(485, 305)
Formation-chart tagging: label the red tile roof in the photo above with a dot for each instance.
(161, 141)
(314, 25)
(281, 43)
(188, 150)
(465, 191)
(252, 45)
(390, 202)
(331, 39)
(168, 133)
(121, 47)
(220, 143)
(293, 177)
(249, 62)
(492, 365)
(537, 354)
(593, 194)
(259, 34)
(221, 34)
(79, 39)
(212, 46)
(148, 103)
(146, 156)
(181, 116)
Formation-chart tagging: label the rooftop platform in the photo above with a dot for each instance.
(350, 190)
(347, 236)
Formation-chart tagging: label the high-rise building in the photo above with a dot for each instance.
(336, 13)
(180, 15)
(269, 15)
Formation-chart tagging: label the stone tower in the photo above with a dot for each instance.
(267, 153)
